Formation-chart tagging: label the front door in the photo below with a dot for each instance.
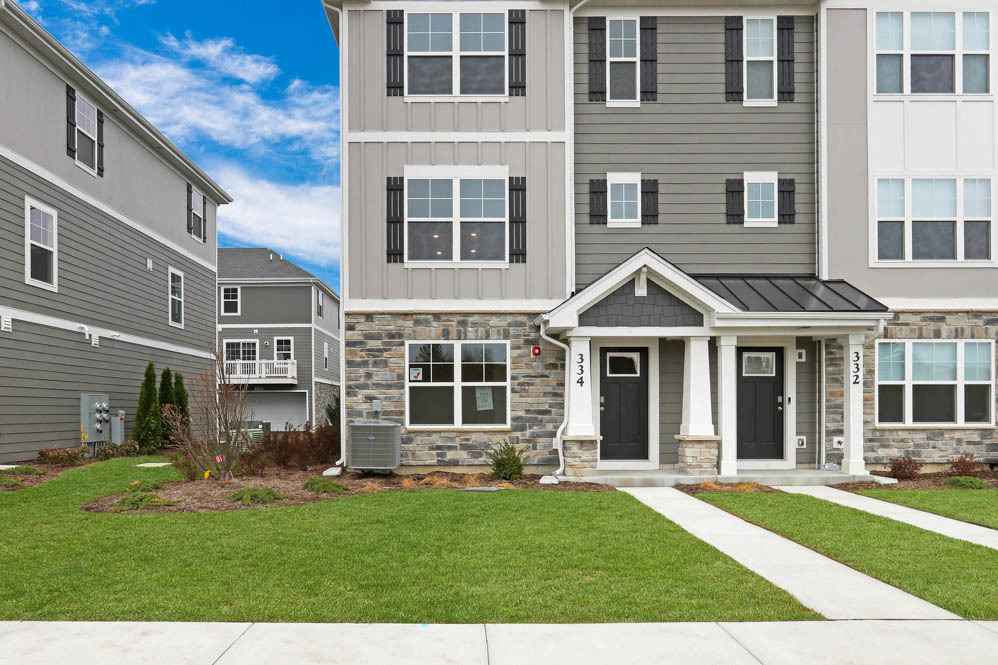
(760, 403)
(623, 382)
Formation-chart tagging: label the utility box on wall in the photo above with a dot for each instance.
(95, 418)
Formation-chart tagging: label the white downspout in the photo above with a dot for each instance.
(553, 478)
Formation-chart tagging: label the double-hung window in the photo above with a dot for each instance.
(318, 303)
(230, 300)
(760, 61)
(625, 200)
(472, 64)
(935, 383)
(760, 199)
(325, 355)
(197, 215)
(622, 63)
(176, 294)
(86, 134)
(457, 384)
(40, 245)
(284, 348)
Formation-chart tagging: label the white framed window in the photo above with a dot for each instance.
(319, 306)
(759, 363)
(284, 348)
(456, 214)
(41, 245)
(929, 383)
(86, 134)
(325, 355)
(760, 198)
(175, 287)
(760, 61)
(622, 67)
(457, 384)
(197, 215)
(933, 222)
(231, 300)
(623, 363)
(241, 349)
(472, 64)
(624, 199)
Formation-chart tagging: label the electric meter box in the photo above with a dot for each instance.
(95, 417)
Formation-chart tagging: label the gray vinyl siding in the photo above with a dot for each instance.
(670, 396)
(691, 140)
(370, 109)
(102, 276)
(44, 370)
(269, 304)
(265, 350)
(807, 401)
(137, 183)
(333, 373)
(330, 319)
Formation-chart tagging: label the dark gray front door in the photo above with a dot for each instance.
(760, 403)
(623, 378)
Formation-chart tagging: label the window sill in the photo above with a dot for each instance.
(761, 224)
(934, 264)
(85, 168)
(940, 426)
(759, 103)
(455, 264)
(54, 288)
(636, 224)
(623, 104)
(199, 239)
(457, 428)
(455, 98)
(176, 325)
(930, 96)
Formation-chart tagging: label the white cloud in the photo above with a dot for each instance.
(224, 57)
(31, 6)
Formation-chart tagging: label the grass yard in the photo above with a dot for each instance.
(975, 506)
(950, 573)
(421, 556)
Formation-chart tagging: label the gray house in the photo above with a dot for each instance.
(278, 328)
(107, 240)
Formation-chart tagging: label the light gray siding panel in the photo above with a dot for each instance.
(807, 401)
(333, 372)
(670, 396)
(270, 304)
(102, 275)
(265, 349)
(691, 140)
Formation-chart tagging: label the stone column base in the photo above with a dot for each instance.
(698, 455)
(580, 456)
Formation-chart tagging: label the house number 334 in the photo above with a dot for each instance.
(580, 370)
(855, 368)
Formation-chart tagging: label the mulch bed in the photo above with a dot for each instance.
(924, 481)
(52, 472)
(200, 496)
(746, 487)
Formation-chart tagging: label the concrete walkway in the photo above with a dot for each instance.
(980, 535)
(832, 589)
(791, 643)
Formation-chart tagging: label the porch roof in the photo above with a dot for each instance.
(789, 293)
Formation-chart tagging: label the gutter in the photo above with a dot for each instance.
(560, 471)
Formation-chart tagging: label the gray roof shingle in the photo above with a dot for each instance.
(257, 263)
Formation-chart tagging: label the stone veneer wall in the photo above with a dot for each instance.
(932, 445)
(375, 369)
(324, 394)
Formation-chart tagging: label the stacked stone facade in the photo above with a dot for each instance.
(580, 457)
(376, 365)
(698, 455)
(932, 445)
(325, 394)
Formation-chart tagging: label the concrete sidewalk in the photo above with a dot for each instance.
(792, 643)
(830, 588)
(972, 533)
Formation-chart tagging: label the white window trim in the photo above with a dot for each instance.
(320, 306)
(762, 177)
(288, 338)
(457, 384)
(170, 272)
(455, 54)
(624, 103)
(960, 382)
(30, 203)
(254, 342)
(746, 59)
(201, 216)
(456, 173)
(325, 355)
(633, 355)
(908, 261)
(76, 146)
(622, 179)
(239, 301)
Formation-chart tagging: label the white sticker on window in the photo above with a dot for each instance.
(415, 373)
(759, 363)
(483, 398)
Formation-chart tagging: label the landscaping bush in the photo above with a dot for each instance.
(967, 465)
(10, 482)
(62, 456)
(23, 471)
(186, 466)
(904, 468)
(507, 461)
(113, 450)
(165, 397)
(324, 485)
(301, 447)
(966, 483)
(254, 461)
(140, 500)
(148, 429)
(251, 496)
(181, 400)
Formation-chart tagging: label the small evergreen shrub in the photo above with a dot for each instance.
(114, 450)
(62, 456)
(324, 485)
(165, 397)
(148, 429)
(904, 468)
(140, 500)
(23, 471)
(967, 465)
(507, 461)
(10, 482)
(181, 400)
(251, 496)
(966, 483)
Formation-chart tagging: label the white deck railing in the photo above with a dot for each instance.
(248, 370)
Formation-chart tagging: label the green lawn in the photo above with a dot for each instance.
(956, 575)
(422, 556)
(975, 506)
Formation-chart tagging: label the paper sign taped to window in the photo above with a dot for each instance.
(415, 373)
(483, 398)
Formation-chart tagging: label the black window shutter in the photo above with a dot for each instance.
(517, 52)
(733, 58)
(204, 218)
(735, 200)
(597, 58)
(395, 188)
(649, 58)
(785, 58)
(517, 220)
(100, 143)
(787, 204)
(649, 201)
(190, 208)
(70, 121)
(597, 201)
(395, 52)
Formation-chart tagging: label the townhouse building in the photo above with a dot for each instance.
(278, 331)
(107, 245)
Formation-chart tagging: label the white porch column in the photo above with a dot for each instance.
(696, 389)
(727, 403)
(852, 405)
(580, 405)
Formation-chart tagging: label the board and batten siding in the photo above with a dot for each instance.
(269, 304)
(102, 275)
(371, 109)
(691, 140)
(371, 276)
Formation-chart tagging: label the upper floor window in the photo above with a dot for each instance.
(760, 199)
(439, 64)
(231, 300)
(760, 60)
(40, 245)
(284, 348)
(625, 200)
(318, 303)
(622, 62)
(176, 293)
(86, 134)
(245, 349)
(325, 355)
(197, 215)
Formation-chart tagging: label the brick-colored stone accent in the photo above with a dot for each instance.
(375, 369)
(931, 445)
(580, 457)
(325, 393)
(697, 455)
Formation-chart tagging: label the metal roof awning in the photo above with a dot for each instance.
(785, 293)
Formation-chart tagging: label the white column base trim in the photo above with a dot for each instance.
(729, 468)
(694, 430)
(854, 467)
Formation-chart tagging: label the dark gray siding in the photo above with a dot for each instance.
(670, 396)
(333, 373)
(691, 140)
(43, 370)
(270, 304)
(658, 308)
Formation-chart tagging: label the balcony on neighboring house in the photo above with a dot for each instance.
(262, 371)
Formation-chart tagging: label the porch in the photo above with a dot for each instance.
(262, 371)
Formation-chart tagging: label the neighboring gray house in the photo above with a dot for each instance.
(107, 245)
(278, 328)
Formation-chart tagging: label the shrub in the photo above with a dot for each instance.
(140, 500)
(181, 401)
(966, 465)
(112, 450)
(253, 461)
(250, 496)
(62, 456)
(302, 448)
(324, 485)
(507, 461)
(333, 412)
(165, 397)
(10, 482)
(186, 466)
(142, 486)
(148, 429)
(904, 468)
(966, 483)
(23, 471)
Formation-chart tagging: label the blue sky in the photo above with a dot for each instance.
(248, 89)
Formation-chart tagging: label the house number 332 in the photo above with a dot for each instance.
(580, 369)
(855, 368)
